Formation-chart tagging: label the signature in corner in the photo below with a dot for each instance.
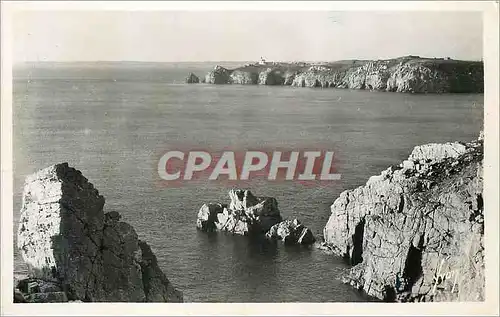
(443, 275)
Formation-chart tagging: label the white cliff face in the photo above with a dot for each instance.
(437, 152)
(61, 215)
(244, 77)
(415, 232)
(65, 238)
(377, 75)
(417, 78)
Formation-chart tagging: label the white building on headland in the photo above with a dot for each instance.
(262, 61)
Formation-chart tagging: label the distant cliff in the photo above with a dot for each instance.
(415, 232)
(405, 74)
(76, 252)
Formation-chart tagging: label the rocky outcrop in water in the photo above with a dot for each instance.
(249, 215)
(291, 232)
(192, 79)
(415, 232)
(74, 251)
(219, 75)
(405, 74)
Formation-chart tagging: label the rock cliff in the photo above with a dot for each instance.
(244, 77)
(82, 253)
(249, 215)
(411, 74)
(192, 79)
(219, 75)
(415, 232)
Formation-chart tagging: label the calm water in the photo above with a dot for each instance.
(111, 121)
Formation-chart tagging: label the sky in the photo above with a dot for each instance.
(174, 36)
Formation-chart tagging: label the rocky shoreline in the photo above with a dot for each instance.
(76, 252)
(415, 232)
(412, 74)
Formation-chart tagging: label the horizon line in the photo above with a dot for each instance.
(242, 61)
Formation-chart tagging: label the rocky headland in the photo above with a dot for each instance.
(411, 74)
(76, 252)
(192, 79)
(249, 215)
(415, 232)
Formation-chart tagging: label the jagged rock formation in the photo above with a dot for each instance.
(68, 242)
(219, 75)
(271, 77)
(192, 79)
(244, 77)
(405, 74)
(411, 77)
(415, 232)
(249, 215)
(291, 232)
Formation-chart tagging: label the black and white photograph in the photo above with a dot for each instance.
(212, 155)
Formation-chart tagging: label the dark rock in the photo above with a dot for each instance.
(291, 232)
(53, 297)
(49, 287)
(19, 297)
(219, 75)
(112, 217)
(208, 217)
(192, 79)
(69, 244)
(33, 287)
(157, 287)
(306, 237)
(271, 77)
(289, 78)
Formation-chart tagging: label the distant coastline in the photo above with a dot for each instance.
(412, 74)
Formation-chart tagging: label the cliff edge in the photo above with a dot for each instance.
(411, 74)
(415, 232)
(76, 252)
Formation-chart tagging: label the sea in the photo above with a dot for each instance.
(111, 120)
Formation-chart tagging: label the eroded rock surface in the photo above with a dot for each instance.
(192, 79)
(415, 232)
(244, 77)
(271, 77)
(69, 243)
(247, 214)
(411, 74)
(219, 75)
(291, 232)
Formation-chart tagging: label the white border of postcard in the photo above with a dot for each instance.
(491, 175)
